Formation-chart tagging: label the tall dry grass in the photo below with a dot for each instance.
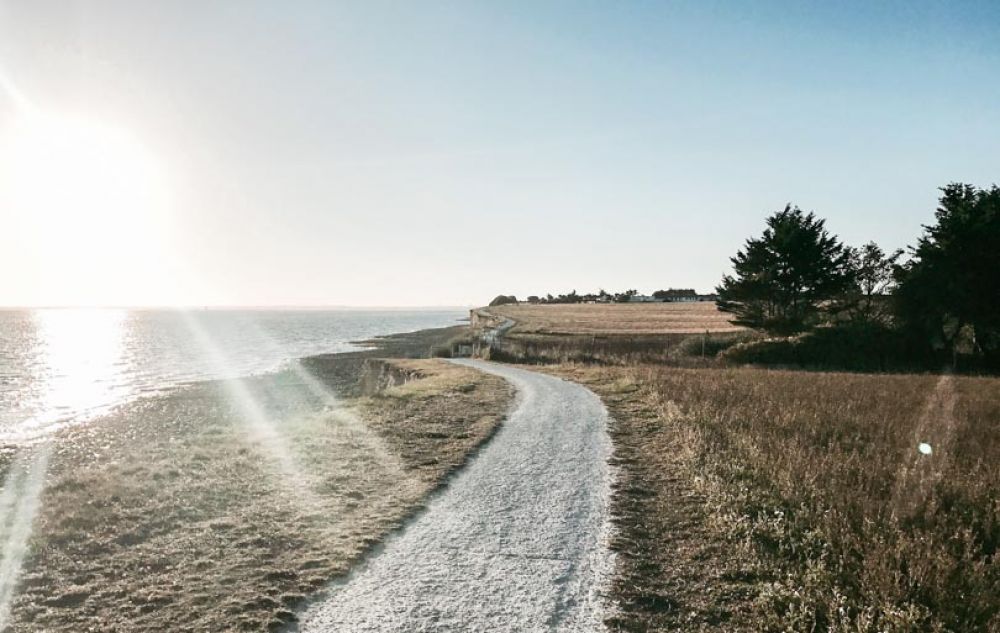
(818, 484)
(601, 349)
(617, 318)
(689, 350)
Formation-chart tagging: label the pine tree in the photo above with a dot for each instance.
(784, 279)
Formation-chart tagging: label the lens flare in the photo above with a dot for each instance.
(934, 434)
(19, 504)
(367, 438)
(259, 429)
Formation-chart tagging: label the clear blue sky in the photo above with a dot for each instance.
(419, 153)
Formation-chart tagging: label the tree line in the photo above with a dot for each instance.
(601, 296)
(939, 298)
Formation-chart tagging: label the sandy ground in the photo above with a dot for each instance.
(516, 542)
(222, 505)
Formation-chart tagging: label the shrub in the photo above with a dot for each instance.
(711, 345)
(600, 349)
(501, 300)
(854, 347)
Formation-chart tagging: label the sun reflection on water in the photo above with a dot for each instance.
(77, 366)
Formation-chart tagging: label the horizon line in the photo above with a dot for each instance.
(196, 307)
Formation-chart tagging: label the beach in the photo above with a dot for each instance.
(223, 504)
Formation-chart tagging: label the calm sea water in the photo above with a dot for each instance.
(60, 366)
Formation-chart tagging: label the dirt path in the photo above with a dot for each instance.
(516, 542)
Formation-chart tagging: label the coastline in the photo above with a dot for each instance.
(186, 511)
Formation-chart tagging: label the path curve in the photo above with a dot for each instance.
(517, 541)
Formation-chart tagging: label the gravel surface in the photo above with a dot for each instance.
(518, 541)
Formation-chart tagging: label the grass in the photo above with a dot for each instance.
(805, 504)
(602, 349)
(675, 333)
(172, 514)
(757, 500)
(617, 319)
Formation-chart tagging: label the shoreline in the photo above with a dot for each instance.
(30, 418)
(410, 344)
(182, 511)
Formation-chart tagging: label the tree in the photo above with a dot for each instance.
(571, 297)
(872, 281)
(951, 285)
(500, 300)
(783, 280)
(673, 293)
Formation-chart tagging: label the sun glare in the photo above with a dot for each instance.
(86, 198)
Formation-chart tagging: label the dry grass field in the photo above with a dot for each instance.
(617, 318)
(618, 333)
(184, 513)
(791, 501)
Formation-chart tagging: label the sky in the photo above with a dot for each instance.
(376, 153)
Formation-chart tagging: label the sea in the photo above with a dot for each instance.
(66, 366)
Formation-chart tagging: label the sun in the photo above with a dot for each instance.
(71, 180)
(86, 198)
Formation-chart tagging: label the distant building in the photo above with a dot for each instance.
(642, 299)
(683, 296)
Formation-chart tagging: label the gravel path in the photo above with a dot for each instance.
(517, 541)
